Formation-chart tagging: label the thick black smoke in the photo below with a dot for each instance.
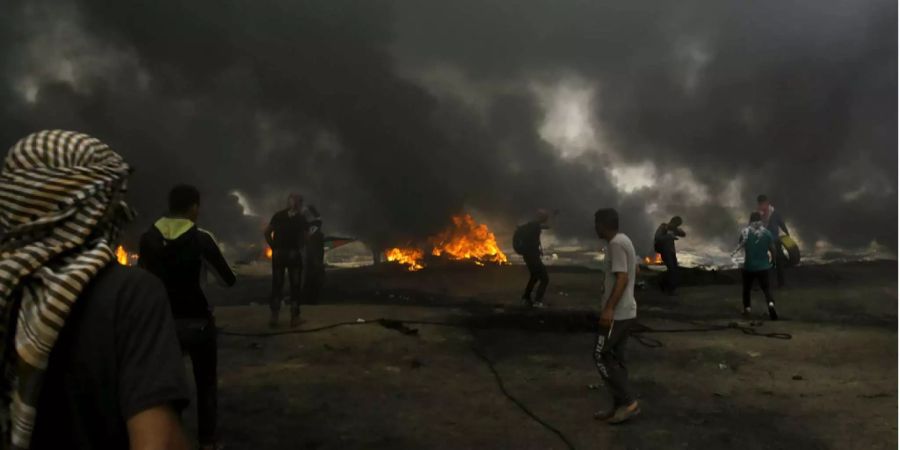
(338, 100)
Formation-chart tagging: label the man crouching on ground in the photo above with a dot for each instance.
(617, 316)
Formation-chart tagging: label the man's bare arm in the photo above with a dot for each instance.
(157, 428)
(618, 290)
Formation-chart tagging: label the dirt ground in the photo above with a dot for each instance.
(833, 385)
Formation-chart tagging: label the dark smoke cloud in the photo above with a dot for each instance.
(391, 116)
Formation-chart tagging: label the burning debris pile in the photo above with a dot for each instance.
(464, 240)
(410, 257)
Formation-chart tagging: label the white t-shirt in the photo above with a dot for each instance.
(620, 257)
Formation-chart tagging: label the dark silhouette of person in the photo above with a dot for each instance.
(527, 242)
(664, 244)
(286, 235)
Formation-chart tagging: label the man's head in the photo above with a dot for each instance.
(675, 222)
(184, 201)
(762, 202)
(755, 216)
(606, 223)
(541, 216)
(295, 202)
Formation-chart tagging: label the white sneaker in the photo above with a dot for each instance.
(539, 305)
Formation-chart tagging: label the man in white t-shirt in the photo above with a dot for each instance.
(617, 315)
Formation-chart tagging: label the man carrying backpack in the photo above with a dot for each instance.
(527, 242)
(664, 244)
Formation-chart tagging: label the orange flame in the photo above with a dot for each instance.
(121, 255)
(464, 240)
(410, 257)
(268, 252)
(653, 261)
(124, 258)
(467, 239)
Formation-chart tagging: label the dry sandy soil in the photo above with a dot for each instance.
(832, 385)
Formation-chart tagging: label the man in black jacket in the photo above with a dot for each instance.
(178, 252)
(774, 223)
(286, 236)
(664, 244)
(527, 242)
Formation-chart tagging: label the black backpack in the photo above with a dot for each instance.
(519, 244)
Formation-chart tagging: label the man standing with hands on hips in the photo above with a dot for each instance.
(618, 313)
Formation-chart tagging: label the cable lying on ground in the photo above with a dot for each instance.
(402, 326)
(521, 406)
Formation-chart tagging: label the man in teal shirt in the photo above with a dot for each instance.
(758, 245)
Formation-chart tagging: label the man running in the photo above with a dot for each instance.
(178, 252)
(527, 242)
(757, 243)
(617, 316)
(286, 236)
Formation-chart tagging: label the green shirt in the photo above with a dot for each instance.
(756, 249)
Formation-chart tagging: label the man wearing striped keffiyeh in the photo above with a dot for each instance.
(89, 356)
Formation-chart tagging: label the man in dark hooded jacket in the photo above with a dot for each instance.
(664, 244)
(527, 242)
(179, 253)
(774, 223)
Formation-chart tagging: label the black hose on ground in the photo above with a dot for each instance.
(521, 406)
(750, 330)
(402, 326)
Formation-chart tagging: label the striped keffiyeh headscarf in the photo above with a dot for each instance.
(61, 203)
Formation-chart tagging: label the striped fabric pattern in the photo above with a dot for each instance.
(61, 204)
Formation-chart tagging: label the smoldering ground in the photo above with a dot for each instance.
(391, 116)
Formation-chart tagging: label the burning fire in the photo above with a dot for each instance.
(468, 239)
(268, 252)
(653, 261)
(464, 240)
(410, 257)
(124, 258)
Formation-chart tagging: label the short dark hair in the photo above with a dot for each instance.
(676, 220)
(755, 216)
(761, 198)
(182, 197)
(607, 217)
